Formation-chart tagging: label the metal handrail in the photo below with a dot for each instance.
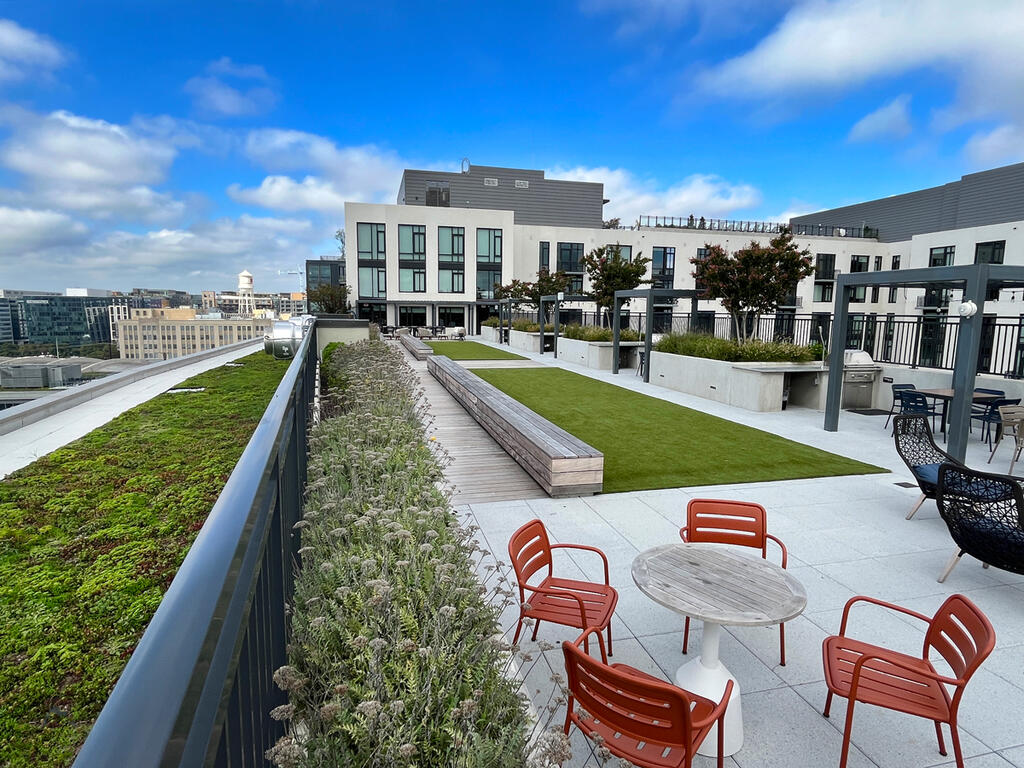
(198, 689)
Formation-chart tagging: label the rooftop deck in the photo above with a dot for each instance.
(846, 536)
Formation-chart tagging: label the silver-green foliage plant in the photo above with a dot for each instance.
(597, 333)
(395, 658)
(754, 350)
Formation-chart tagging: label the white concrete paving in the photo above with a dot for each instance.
(23, 446)
(846, 536)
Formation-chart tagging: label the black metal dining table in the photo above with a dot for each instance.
(946, 395)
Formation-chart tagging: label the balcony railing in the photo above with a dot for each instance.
(199, 687)
(754, 227)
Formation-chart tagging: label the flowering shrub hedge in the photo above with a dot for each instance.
(395, 658)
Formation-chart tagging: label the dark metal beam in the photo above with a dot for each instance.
(965, 365)
(833, 399)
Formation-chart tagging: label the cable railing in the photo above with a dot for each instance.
(754, 227)
(199, 687)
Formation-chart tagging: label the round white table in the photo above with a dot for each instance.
(718, 586)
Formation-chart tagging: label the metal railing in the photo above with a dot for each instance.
(754, 227)
(919, 341)
(199, 687)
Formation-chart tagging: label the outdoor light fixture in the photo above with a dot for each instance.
(968, 308)
(561, 295)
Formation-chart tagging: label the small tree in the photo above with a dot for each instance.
(328, 299)
(523, 292)
(340, 237)
(609, 272)
(754, 279)
(612, 223)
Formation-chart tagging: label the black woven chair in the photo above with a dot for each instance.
(917, 448)
(985, 517)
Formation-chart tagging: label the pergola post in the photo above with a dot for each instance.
(965, 366)
(616, 327)
(648, 332)
(837, 346)
(540, 318)
(554, 341)
(692, 325)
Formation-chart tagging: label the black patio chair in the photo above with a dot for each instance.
(897, 400)
(917, 448)
(985, 517)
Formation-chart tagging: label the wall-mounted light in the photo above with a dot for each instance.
(561, 295)
(968, 308)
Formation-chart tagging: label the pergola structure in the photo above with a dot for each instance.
(556, 300)
(975, 280)
(650, 294)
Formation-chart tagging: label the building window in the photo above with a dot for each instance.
(858, 263)
(663, 267)
(858, 294)
(625, 251)
(702, 253)
(824, 266)
(570, 256)
(488, 246)
(451, 280)
(451, 244)
(874, 293)
(896, 261)
(370, 242)
(451, 317)
(372, 282)
(486, 279)
(823, 291)
(570, 261)
(412, 242)
(941, 256)
(412, 316)
(412, 279)
(544, 259)
(438, 194)
(878, 263)
(989, 253)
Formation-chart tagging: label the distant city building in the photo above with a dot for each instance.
(9, 293)
(291, 303)
(162, 297)
(327, 270)
(93, 292)
(162, 334)
(71, 320)
(6, 321)
(246, 305)
(39, 375)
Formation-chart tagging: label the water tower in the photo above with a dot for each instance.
(246, 299)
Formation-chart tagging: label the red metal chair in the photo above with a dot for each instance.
(569, 602)
(640, 718)
(731, 522)
(858, 671)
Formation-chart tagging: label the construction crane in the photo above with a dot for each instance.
(296, 271)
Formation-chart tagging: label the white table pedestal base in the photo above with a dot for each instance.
(707, 676)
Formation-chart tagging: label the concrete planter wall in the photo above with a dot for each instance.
(595, 354)
(526, 342)
(488, 333)
(930, 378)
(738, 384)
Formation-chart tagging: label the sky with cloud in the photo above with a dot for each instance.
(173, 143)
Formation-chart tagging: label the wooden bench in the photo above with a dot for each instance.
(561, 464)
(416, 348)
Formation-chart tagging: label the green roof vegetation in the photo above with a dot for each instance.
(91, 536)
(470, 350)
(651, 443)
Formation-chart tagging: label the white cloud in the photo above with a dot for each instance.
(834, 46)
(215, 97)
(638, 16)
(1003, 144)
(27, 231)
(890, 121)
(333, 174)
(700, 194)
(24, 53)
(66, 147)
(285, 194)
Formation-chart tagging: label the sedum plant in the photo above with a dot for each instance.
(396, 658)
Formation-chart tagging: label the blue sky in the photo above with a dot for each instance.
(172, 143)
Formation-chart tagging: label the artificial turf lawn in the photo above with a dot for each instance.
(651, 443)
(91, 536)
(470, 350)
